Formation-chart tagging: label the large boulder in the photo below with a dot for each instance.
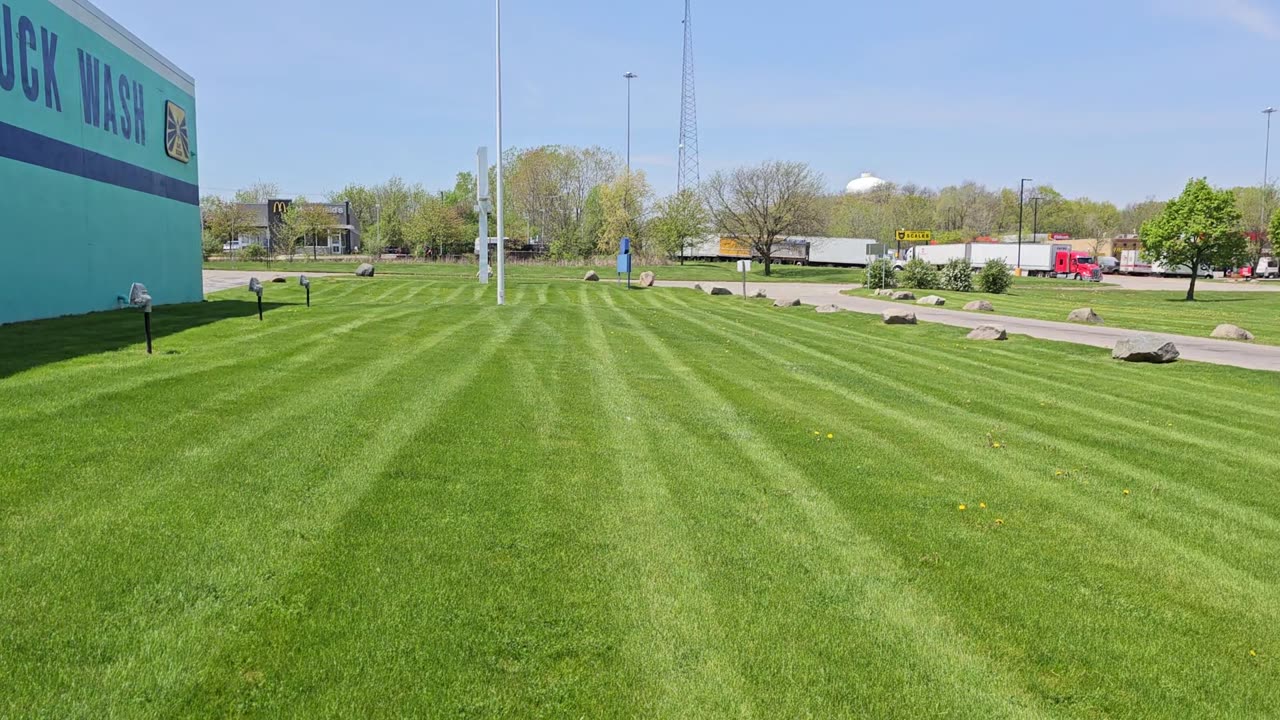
(647, 279)
(279, 280)
(988, 332)
(828, 309)
(933, 300)
(1145, 348)
(902, 295)
(365, 270)
(980, 306)
(898, 317)
(885, 292)
(591, 276)
(1231, 332)
(787, 303)
(1084, 315)
(720, 291)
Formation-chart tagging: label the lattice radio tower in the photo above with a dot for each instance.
(689, 176)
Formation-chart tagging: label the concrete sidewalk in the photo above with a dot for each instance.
(1218, 352)
(215, 280)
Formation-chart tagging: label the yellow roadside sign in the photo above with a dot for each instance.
(914, 235)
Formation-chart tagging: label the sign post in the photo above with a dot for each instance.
(624, 261)
(744, 267)
(483, 205)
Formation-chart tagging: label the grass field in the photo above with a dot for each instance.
(1258, 312)
(406, 502)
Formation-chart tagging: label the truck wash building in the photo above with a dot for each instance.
(98, 177)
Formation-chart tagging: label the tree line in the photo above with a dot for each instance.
(576, 203)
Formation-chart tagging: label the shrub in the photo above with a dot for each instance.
(881, 275)
(253, 251)
(210, 246)
(920, 275)
(957, 276)
(995, 277)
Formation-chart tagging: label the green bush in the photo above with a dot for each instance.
(920, 275)
(210, 246)
(957, 276)
(881, 275)
(253, 252)
(995, 277)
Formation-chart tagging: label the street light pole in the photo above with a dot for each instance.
(1035, 217)
(502, 237)
(1266, 177)
(377, 219)
(1022, 193)
(629, 76)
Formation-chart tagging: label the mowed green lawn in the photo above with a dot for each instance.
(406, 502)
(1258, 312)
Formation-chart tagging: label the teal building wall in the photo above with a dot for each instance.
(94, 193)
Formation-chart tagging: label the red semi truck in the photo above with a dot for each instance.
(1044, 259)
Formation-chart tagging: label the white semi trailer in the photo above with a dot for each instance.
(1036, 258)
(841, 251)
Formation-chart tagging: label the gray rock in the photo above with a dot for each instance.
(1145, 348)
(365, 270)
(898, 317)
(278, 280)
(933, 300)
(884, 292)
(989, 332)
(1231, 332)
(902, 295)
(720, 291)
(787, 303)
(1084, 315)
(647, 279)
(591, 276)
(828, 309)
(980, 306)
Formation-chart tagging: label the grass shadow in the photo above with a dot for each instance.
(28, 345)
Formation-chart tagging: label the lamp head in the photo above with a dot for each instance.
(303, 281)
(255, 287)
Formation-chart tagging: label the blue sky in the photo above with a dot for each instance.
(1111, 99)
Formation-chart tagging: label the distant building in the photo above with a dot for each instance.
(343, 237)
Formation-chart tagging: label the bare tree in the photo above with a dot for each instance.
(762, 205)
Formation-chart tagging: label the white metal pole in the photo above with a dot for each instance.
(502, 238)
(482, 207)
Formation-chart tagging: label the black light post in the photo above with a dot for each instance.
(1022, 193)
(1035, 218)
(304, 282)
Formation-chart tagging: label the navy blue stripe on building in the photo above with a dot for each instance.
(33, 148)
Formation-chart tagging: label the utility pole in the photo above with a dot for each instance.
(629, 76)
(688, 172)
(1266, 181)
(1022, 194)
(502, 237)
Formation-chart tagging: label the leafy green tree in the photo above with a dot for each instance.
(625, 205)
(680, 221)
(257, 193)
(286, 233)
(1200, 227)
(311, 221)
(435, 225)
(228, 221)
(881, 275)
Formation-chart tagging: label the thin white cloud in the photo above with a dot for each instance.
(1248, 15)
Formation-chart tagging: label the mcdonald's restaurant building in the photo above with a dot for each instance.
(98, 165)
(343, 237)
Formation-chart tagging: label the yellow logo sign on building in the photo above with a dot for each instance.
(176, 143)
(914, 235)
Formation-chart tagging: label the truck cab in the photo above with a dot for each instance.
(1078, 265)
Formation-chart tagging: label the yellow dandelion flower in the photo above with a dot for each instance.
(1059, 473)
(995, 444)
(815, 432)
(831, 436)
(999, 521)
(962, 508)
(1253, 653)
(982, 505)
(1126, 493)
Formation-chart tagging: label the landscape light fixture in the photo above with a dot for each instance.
(304, 282)
(255, 287)
(140, 298)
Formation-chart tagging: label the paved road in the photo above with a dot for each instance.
(215, 280)
(1218, 352)
(1138, 282)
